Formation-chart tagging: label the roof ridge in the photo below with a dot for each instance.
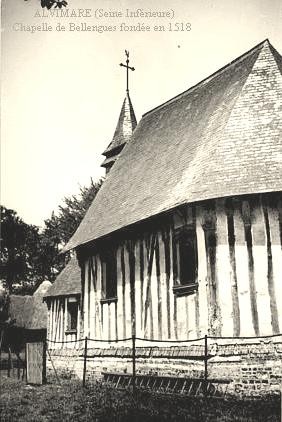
(210, 77)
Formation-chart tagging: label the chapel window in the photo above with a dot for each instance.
(185, 261)
(72, 311)
(109, 275)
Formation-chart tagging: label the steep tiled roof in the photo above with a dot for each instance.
(68, 281)
(222, 137)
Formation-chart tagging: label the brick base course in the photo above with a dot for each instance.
(254, 371)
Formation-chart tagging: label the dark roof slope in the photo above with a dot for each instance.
(68, 281)
(222, 137)
(30, 311)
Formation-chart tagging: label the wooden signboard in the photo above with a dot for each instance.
(35, 363)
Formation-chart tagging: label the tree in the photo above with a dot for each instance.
(61, 227)
(19, 246)
(53, 3)
(28, 255)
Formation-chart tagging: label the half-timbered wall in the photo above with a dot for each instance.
(237, 289)
(60, 328)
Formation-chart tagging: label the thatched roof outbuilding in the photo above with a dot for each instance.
(30, 312)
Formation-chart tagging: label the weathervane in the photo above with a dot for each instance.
(127, 67)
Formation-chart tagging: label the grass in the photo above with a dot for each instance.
(98, 403)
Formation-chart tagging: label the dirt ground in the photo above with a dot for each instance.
(98, 403)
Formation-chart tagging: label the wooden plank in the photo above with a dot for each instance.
(229, 207)
(166, 250)
(56, 325)
(98, 310)
(138, 303)
(183, 386)
(131, 246)
(224, 271)
(120, 304)
(154, 304)
(65, 318)
(160, 297)
(34, 356)
(164, 286)
(210, 230)
(91, 300)
(172, 321)
(51, 333)
(112, 315)
(62, 334)
(202, 274)
(270, 278)
(148, 311)
(241, 254)
(123, 281)
(276, 252)
(260, 271)
(127, 297)
(142, 277)
(191, 308)
(77, 345)
(246, 210)
(85, 302)
(54, 321)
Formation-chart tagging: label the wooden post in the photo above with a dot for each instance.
(44, 372)
(133, 365)
(18, 367)
(1, 341)
(84, 364)
(9, 362)
(206, 366)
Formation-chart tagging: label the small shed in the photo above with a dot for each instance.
(30, 313)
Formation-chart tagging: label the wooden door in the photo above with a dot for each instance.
(35, 363)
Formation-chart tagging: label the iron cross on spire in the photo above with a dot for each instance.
(127, 67)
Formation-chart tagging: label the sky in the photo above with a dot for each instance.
(62, 91)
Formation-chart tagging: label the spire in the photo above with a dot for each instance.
(125, 126)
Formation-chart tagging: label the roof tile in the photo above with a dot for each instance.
(210, 141)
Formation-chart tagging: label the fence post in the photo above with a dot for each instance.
(133, 364)
(9, 361)
(206, 366)
(84, 363)
(18, 367)
(44, 372)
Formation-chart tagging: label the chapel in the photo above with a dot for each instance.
(184, 237)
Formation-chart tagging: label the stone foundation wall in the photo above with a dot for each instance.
(250, 369)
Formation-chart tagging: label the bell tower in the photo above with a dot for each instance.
(125, 126)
